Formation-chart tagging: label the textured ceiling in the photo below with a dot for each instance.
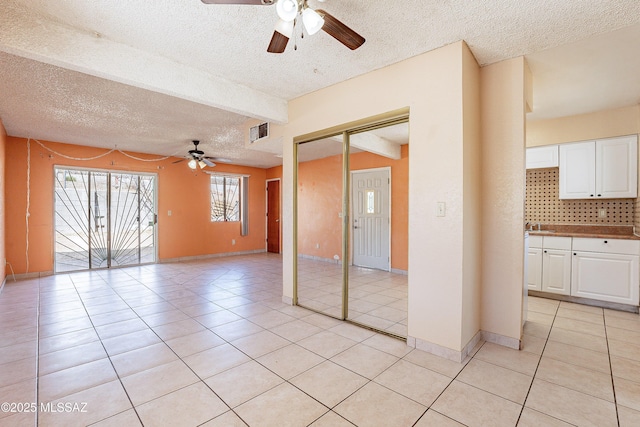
(150, 75)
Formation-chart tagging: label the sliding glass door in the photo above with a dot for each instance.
(103, 219)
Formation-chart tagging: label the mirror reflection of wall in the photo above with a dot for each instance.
(320, 181)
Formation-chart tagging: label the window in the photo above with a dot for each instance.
(225, 198)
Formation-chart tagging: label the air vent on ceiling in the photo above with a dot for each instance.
(258, 132)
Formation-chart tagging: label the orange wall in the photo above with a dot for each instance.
(187, 232)
(3, 144)
(273, 173)
(320, 201)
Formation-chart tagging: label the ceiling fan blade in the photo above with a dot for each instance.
(255, 2)
(278, 43)
(340, 31)
(178, 161)
(208, 162)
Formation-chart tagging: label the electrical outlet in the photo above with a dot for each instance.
(233, 241)
(602, 213)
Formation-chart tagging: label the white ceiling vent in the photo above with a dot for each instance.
(258, 132)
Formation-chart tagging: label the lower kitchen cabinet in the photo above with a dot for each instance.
(600, 269)
(606, 277)
(534, 269)
(556, 271)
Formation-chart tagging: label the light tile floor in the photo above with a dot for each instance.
(210, 343)
(376, 298)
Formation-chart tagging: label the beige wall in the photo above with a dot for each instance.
(503, 187)
(472, 181)
(441, 89)
(601, 124)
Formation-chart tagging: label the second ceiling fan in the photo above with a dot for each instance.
(291, 12)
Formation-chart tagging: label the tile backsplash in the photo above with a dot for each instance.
(543, 204)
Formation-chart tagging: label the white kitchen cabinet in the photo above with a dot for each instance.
(601, 169)
(606, 269)
(534, 269)
(556, 271)
(542, 157)
(549, 264)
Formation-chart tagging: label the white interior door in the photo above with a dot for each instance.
(370, 192)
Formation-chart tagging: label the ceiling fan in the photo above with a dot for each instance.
(197, 158)
(291, 12)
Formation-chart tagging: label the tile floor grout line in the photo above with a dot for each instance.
(613, 383)
(535, 372)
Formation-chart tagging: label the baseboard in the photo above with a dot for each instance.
(2, 285)
(502, 340)
(586, 301)
(209, 256)
(398, 271)
(287, 300)
(321, 259)
(447, 353)
(35, 275)
(460, 356)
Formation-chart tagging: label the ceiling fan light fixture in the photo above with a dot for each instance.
(287, 9)
(284, 27)
(312, 21)
(193, 164)
(201, 164)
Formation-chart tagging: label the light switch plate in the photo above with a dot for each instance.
(441, 209)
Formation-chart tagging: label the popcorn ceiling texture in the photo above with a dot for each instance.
(543, 204)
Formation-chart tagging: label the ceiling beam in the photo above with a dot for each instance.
(22, 33)
(374, 144)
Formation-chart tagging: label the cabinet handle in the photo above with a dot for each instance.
(545, 252)
(590, 195)
(575, 253)
(605, 241)
(599, 195)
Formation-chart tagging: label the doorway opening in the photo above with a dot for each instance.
(103, 219)
(273, 216)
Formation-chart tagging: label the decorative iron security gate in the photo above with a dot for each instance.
(103, 219)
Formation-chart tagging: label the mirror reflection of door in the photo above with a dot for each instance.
(371, 218)
(319, 228)
(273, 216)
(379, 166)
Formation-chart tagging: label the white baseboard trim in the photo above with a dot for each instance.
(398, 271)
(460, 356)
(208, 256)
(2, 286)
(287, 300)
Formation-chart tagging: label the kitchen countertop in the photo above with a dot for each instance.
(589, 231)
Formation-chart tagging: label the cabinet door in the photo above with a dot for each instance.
(617, 167)
(534, 269)
(607, 277)
(577, 170)
(542, 157)
(556, 271)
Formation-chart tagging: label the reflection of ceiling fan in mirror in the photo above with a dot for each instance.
(291, 12)
(197, 158)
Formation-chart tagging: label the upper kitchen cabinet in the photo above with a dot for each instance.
(601, 169)
(542, 157)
